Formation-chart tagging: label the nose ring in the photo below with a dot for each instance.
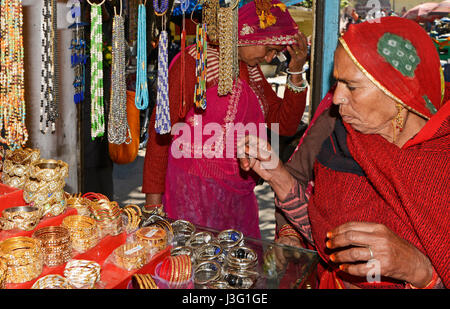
(343, 100)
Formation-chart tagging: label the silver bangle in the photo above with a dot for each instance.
(294, 73)
(294, 88)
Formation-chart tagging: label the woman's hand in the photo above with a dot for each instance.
(257, 154)
(299, 54)
(281, 255)
(364, 241)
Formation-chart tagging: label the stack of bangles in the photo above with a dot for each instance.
(143, 282)
(164, 224)
(287, 230)
(176, 269)
(207, 272)
(211, 251)
(3, 272)
(83, 232)
(152, 237)
(108, 216)
(23, 257)
(82, 274)
(24, 218)
(81, 204)
(52, 282)
(130, 256)
(182, 231)
(55, 244)
(199, 239)
(134, 217)
(240, 258)
(295, 88)
(230, 238)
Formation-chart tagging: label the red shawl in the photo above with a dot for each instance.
(407, 189)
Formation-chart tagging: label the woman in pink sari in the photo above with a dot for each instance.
(194, 173)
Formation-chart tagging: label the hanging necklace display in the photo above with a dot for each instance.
(227, 47)
(97, 105)
(78, 56)
(49, 111)
(13, 132)
(209, 18)
(200, 66)
(118, 129)
(141, 98)
(162, 122)
(184, 4)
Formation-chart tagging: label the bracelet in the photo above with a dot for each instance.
(82, 273)
(294, 88)
(3, 272)
(130, 256)
(288, 230)
(143, 282)
(52, 282)
(295, 73)
(430, 285)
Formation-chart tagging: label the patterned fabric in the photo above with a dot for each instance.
(279, 33)
(399, 57)
(400, 53)
(162, 124)
(97, 107)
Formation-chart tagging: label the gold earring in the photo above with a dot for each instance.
(399, 120)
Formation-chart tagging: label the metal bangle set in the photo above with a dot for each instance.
(82, 273)
(131, 256)
(23, 258)
(55, 243)
(24, 218)
(83, 232)
(16, 166)
(219, 262)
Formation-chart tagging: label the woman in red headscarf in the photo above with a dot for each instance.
(196, 182)
(377, 159)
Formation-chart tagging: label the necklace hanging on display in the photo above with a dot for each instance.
(49, 110)
(118, 129)
(78, 56)
(162, 122)
(13, 131)
(141, 98)
(97, 104)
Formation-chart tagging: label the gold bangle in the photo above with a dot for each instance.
(23, 257)
(130, 256)
(82, 273)
(22, 217)
(52, 282)
(3, 272)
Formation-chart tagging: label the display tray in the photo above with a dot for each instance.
(10, 197)
(297, 270)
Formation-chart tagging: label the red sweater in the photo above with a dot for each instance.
(287, 112)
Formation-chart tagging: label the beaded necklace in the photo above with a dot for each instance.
(141, 98)
(97, 106)
(162, 122)
(118, 129)
(13, 132)
(184, 4)
(48, 111)
(201, 66)
(78, 56)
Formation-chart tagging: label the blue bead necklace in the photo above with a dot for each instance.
(141, 99)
